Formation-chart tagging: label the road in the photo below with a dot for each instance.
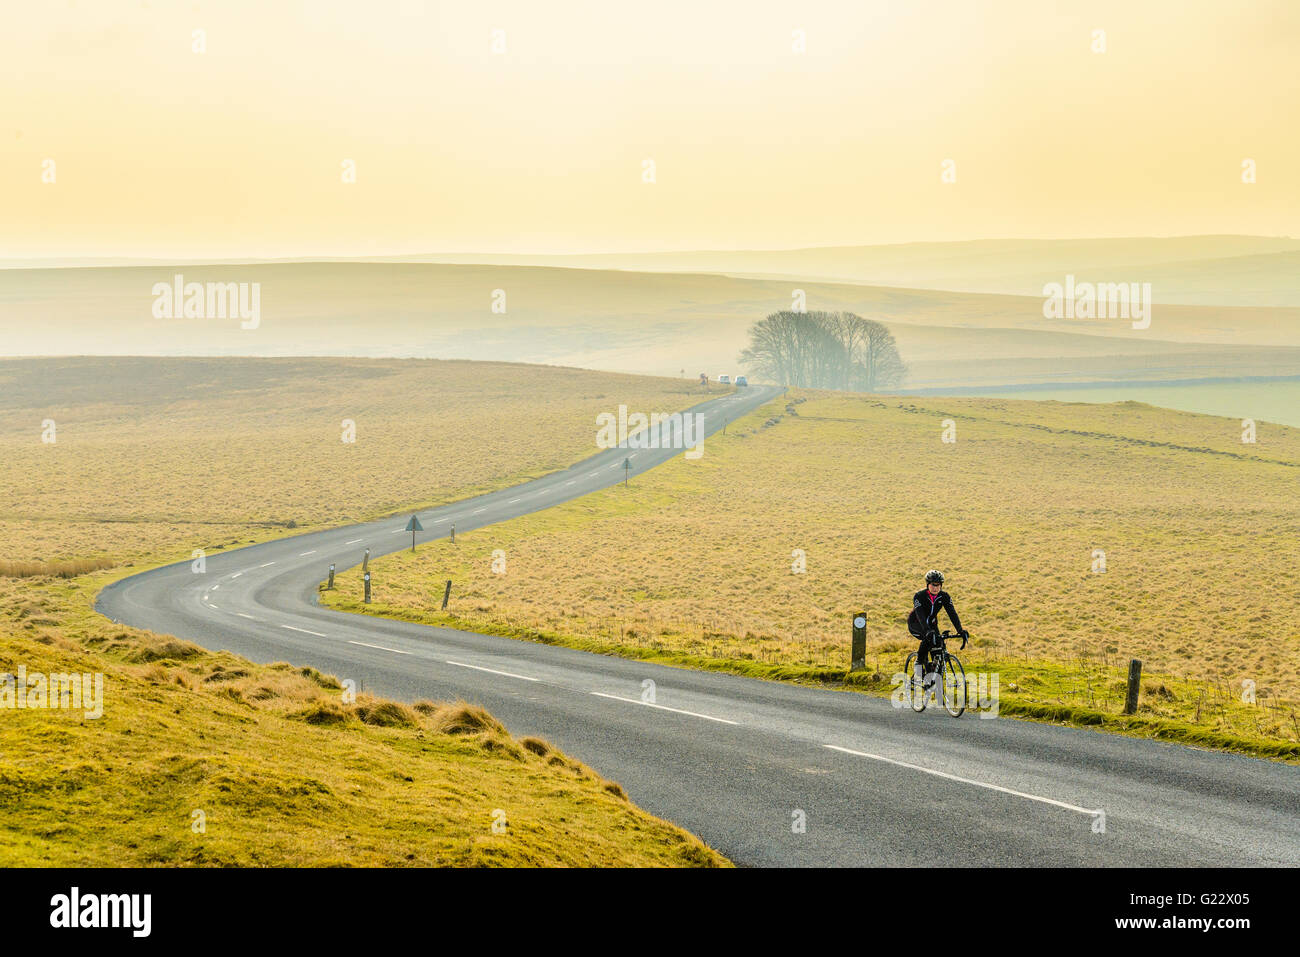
(767, 773)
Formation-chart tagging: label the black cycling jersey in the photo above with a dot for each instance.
(925, 614)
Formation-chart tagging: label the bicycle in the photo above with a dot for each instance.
(949, 675)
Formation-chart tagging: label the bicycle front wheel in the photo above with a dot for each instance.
(915, 689)
(953, 680)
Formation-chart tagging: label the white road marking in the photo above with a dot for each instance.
(380, 647)
(508, 674)
(303, 630)
(305, 554)
(512, 501)
(264, 565)
(953, 777)
(242, 615)
(661, 707)
(236, 575)
(215, 587)
(477, 510)
(353, 542)
(398, 531)
(597, 472)
(571, 482)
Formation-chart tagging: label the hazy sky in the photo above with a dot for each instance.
(238, 150)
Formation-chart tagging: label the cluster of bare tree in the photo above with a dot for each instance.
(824, 350)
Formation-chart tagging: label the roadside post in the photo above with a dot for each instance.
(365, 562)
(1134, 682)
(453, 534)
(859, 656)
(446, 595)
(366, 579)
(330, 586)
(414, 526)
(627, 469)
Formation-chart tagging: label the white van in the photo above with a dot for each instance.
(724, 380)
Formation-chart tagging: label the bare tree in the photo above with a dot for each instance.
(824, 350)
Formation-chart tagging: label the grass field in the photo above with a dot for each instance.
(156, 457)
(694, 562)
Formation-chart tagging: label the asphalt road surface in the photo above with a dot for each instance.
(767, 773)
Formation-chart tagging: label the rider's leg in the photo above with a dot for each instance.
(922, 652)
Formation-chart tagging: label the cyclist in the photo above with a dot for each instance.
(923, 622)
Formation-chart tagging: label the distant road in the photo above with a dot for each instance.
(767, 773)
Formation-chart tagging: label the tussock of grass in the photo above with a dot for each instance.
(462, 718)
(387, 714)
(68, 568)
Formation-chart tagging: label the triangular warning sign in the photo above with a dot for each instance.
(414, 525)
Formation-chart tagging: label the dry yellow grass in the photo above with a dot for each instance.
(173, 454)
(1199, 531)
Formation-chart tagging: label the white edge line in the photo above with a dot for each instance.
(380, 647)
(508, 674)
(664, 707)
(303, 630)
(953, 777)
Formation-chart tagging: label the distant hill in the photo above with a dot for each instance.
(1192, 270)
(653, 323)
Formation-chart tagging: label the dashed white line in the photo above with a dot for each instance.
(215, 587)
(353, 542)
(662, 707)
(303, 630)
(236, 575)
(512, 501)
(571, 482)
(398, 531)
(508, 674)
(265, 564)
(477, 510)
(305, 554)
(380, 647)
(242, 615)
(953, 777)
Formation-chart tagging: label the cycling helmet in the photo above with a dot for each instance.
(933, 576)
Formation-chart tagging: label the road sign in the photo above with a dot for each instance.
(414, 526)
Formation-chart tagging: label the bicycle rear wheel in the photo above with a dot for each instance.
(915, 690)
(953, 681)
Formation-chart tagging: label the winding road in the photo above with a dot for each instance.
(767, 773)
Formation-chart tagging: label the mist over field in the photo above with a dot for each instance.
(597, 313)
